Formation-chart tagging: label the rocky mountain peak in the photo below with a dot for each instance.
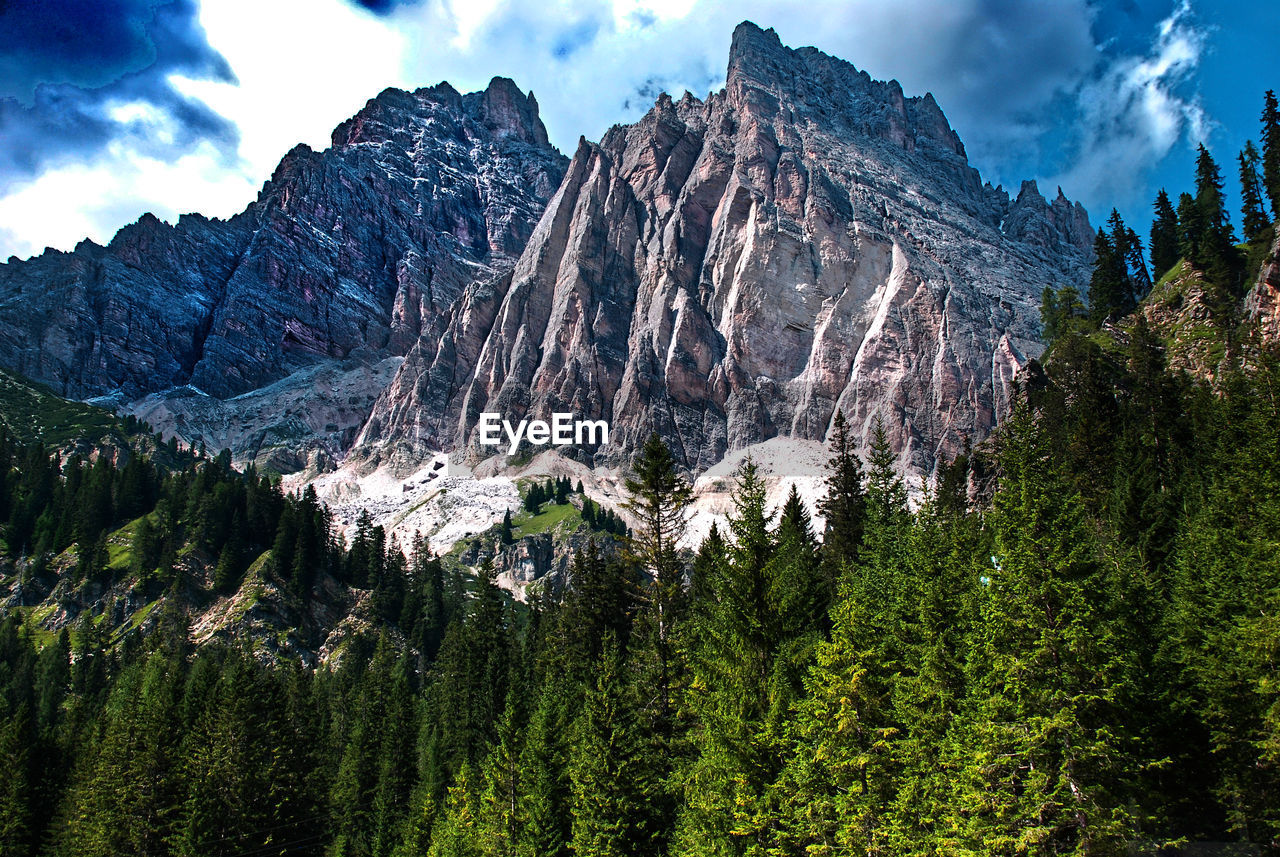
(347, 256)
(730, 271)
(1033, 220)
(724, 272)
(766, 79)
(508, 112)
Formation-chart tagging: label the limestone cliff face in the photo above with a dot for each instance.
(349, 253)
(728, 271)
(723, 272)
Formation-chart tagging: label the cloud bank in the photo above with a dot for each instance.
(77, 75)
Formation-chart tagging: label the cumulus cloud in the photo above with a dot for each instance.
(1089, 96)
(1133, 111)
(76, 75)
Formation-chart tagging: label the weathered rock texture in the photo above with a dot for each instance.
(732, 270)
(350, 254)
(1262, 303)
(722, 272)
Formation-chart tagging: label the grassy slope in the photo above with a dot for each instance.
(525, 524)
(31, 412)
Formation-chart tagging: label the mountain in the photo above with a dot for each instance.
(344, 260)
(728, 271)
(722, 272)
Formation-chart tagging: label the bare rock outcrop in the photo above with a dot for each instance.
(728, 271)
(351, 255)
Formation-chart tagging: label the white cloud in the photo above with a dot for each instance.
(302, 67)
(1133, 113)
(1001, 69)
(93, 200)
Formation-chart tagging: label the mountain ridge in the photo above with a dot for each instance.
(657, 219)
(406, 265)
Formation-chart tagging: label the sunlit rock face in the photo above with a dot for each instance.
(724, 272)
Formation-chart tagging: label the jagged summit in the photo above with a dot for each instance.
(768, 76)
(730, 271)
(347, 256)
(501, 109)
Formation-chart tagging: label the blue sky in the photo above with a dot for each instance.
(111, 108)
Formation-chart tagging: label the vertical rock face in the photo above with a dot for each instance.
(722, 272)
(354, 252)
(727, 271)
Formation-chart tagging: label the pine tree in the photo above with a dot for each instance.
(534, 498)
(17, 787)
(1226, 591)
(712, 554)
(1164, 236)
(1215, 243)
(1253, 220)
(129, 800)
(735, 654)
(1045, 744)
(1190, 227)
(1271, 151)
(544, 764)
(1119, 277)
(232, 771)
(1059, 312)
(599, 606)
(504, 531)
(659, 497)
(844, 505)
(611, 770)
(499, 813)
(798, 588)
(456, 833)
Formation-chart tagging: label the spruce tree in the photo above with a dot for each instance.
(1190, 227)
(1271, 152)
(534, 498)
(1046, 749)
(798, 588)
(129, 799)
(735, 653)
(1215, 242)
(611, 770)
(1164, 236)
(544, 766)
(18, 786)
(659, 497)
(1253, 220)
(843, 506)
(1106, 284)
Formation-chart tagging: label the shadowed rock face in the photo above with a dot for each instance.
(352, 254)
(732, 270)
